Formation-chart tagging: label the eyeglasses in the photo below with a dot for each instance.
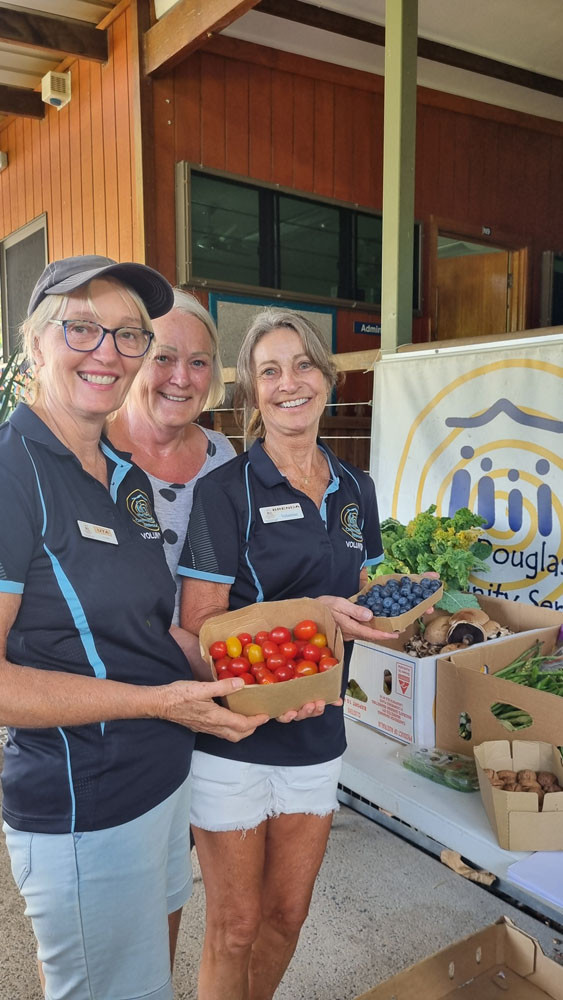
(83, 335)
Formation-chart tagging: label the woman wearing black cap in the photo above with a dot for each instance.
(97, 695)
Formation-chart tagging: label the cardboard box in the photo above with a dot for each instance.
(400, 689)
(399, 622)
(466, 683)
(275, 699)
(499, 961)
(515, 816)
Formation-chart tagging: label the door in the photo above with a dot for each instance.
(472, 294)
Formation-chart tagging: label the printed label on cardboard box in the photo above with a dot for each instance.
(391, 694)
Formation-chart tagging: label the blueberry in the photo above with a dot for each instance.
(395, 609)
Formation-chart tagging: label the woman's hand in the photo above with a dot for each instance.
(190, 704)
(352, 618)
(308, 711)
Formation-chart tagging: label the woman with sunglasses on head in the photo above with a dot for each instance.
(97, 695)
(156, 424)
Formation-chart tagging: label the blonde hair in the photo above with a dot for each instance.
(314, 347)
(54, 307)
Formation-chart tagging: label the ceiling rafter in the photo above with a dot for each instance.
(185, 27)
(54, 34)
(367, 31)
(17, 101)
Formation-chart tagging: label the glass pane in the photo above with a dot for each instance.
(225, 230)
(368, 257)
(309, 246)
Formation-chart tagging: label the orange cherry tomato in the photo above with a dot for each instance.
(254, 652)
(244, 638)
(218, 649)
(305, 629)
(248, 678)
(326, 662)
(305, 668)
(319, 639)
(234, 646)
(311, 652)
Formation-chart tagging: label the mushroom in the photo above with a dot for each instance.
(466, 626)
(437, 629)
(493, 630)
(474, 615)
(450, 646)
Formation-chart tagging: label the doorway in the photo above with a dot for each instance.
(478, 289)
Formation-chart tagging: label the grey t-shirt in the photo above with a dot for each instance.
(173, 503)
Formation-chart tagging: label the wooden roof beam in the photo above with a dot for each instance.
(17, 101)
(367, 31)
(67, 37)
(185, 27)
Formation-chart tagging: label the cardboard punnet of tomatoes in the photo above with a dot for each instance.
(287, 680)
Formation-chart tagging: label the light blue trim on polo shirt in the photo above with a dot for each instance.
(332, 487)
(44, 525)
(121, 469)
(257, 584)
(373, 562)
(70, 785)
(197, 574)
(78, 616)
(10, 587)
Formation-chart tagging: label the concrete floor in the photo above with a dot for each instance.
(380, 904)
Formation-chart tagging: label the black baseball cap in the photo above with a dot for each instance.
(70, 273)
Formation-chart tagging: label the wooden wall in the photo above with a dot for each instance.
(77, 163)
(318, 128)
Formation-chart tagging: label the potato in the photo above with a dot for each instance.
(508, 775)
(527, 776)
(546, 778)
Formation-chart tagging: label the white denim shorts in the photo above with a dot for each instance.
(235, 795)
(99, 902)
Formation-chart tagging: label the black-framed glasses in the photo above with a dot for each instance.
(85, 335)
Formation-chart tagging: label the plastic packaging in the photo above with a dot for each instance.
(450, 769)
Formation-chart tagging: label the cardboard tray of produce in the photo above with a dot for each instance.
(499, 961)
(398, 623)
(515, 817)
(275, 699)
(466, 685)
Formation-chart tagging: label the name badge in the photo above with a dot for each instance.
(98, 532)
(283, 512)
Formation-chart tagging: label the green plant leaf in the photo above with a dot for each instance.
(455, 600)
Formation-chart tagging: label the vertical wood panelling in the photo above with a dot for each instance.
(187, 110)
(323, 162)
(76, 164)
(260, 122)
(165, 113)
(343, 143)
(236, 117)
(282, 128)
(364, 142)
(303, 134)
(213, 110)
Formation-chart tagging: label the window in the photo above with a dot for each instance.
(23, 256)
(233, 233)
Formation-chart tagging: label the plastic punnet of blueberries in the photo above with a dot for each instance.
(397, 596)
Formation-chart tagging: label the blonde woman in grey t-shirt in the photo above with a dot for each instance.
(181, 377)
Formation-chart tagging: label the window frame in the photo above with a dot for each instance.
(184, 251)
(29, 229)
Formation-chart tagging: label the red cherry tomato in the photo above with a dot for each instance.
(248, 678)
(223, 672)
(218, 649)
(305, 668)
(319, 639)
(266, 677)
(260, 637)
(285, 673)
(326, 662)
(289, 649)
(239, 665)
(311, 652)
(276, 660)
(326, 652)
(225, 661)
(244, 638)
(305, 629)
(300, 643)
(257, 668)
(279, 634)
(269, 647)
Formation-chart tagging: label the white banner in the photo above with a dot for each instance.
(480, 427)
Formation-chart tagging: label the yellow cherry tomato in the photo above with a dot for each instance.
(319, 639)
(254, 652)
(234, 646)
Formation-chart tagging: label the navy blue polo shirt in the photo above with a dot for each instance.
(250, 528)
(88, 607)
